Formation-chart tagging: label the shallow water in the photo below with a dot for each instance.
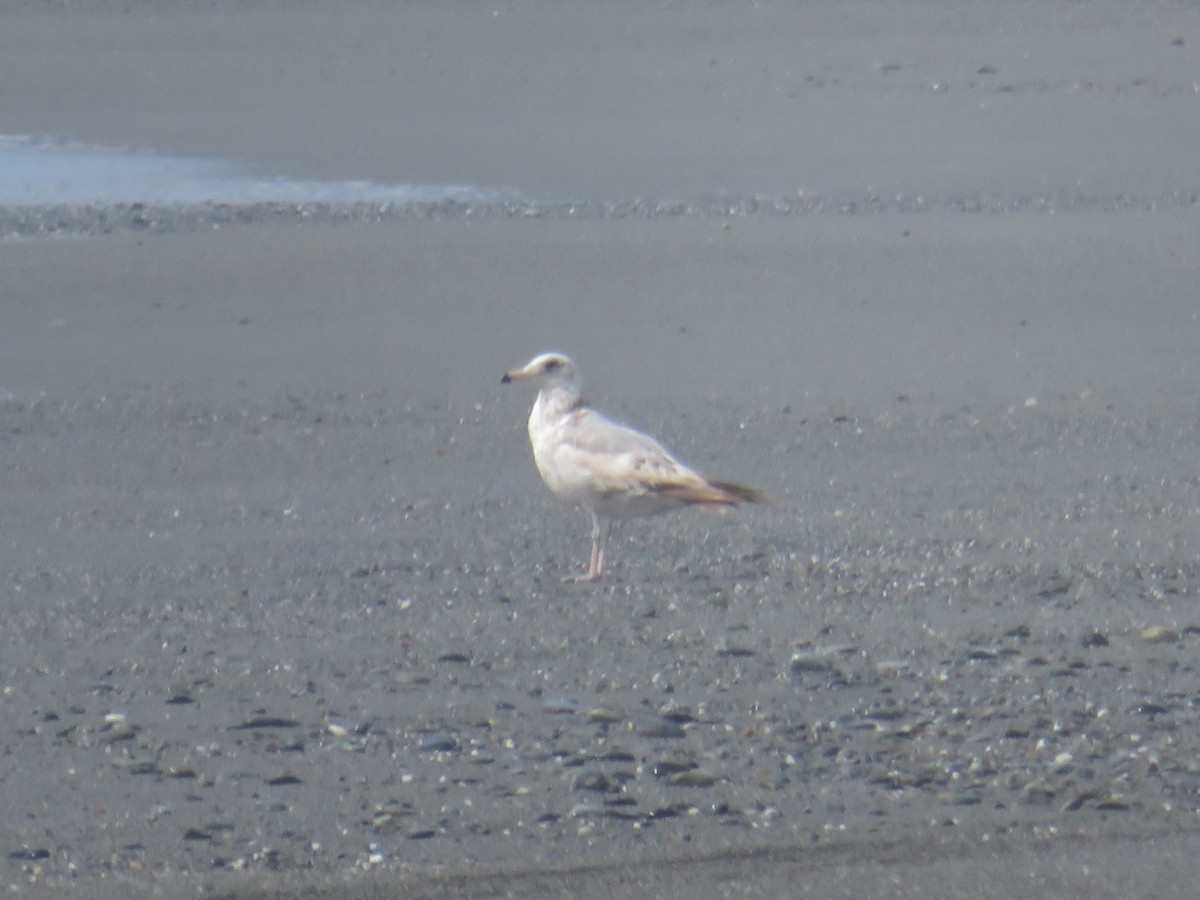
(35, 172)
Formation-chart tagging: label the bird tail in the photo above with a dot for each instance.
(739, 493)
(712, 494)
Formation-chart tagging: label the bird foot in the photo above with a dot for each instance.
(586, 578)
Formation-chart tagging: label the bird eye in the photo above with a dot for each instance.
(552, 365)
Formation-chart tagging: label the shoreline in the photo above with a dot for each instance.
(91, 220)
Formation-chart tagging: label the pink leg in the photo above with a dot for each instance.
(597, 568)
(600, 533)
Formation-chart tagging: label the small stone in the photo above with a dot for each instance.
(615, 754)
(811, 661)
(622, 802)
(387, 819)
(602, 714)
(1157, 634)
(701, 778)
(736, 651)
(137, 765)
(411, 679)
(1151, 709)
(437, 742)
(961, 798)
(906, 731)
(668, 812)
(1114, 803)
(657, 727)
(265, 722)
(1038, 793)
(667, 767)
(890, 668)
(29, 854)
(592, 780)
(122, 733)
(675, 712)
(892, 779)
(1080, 800)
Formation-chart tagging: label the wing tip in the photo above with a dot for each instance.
(739, 493)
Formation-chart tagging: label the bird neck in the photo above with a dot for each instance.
(555, 401)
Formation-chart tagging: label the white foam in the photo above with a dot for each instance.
(36, 172)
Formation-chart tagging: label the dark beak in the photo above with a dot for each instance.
(506, 379)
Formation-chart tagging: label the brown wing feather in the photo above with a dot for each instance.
(712, 493)
(741, 492)
(619, 460)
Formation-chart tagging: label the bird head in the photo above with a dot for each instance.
(547, 370)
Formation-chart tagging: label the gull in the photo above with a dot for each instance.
(610, 470)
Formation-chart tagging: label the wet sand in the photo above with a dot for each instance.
(283, 613)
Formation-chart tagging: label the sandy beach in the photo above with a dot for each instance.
(283, 613)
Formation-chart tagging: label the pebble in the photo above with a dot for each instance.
(1157, 634)
(29, 854)
(602, 714)
(1080, 800)
(561, 705)
(259, 722)
(666, 767)
(138, 764)
(658, 727)
(812, 661)
(594, 780)
(692, 778)
(1039, 793)
(673, 711)
(891, 668)
(437, 742)
(736, 650)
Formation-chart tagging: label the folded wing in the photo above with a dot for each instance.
(630, 473)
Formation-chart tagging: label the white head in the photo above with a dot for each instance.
(549, 371)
